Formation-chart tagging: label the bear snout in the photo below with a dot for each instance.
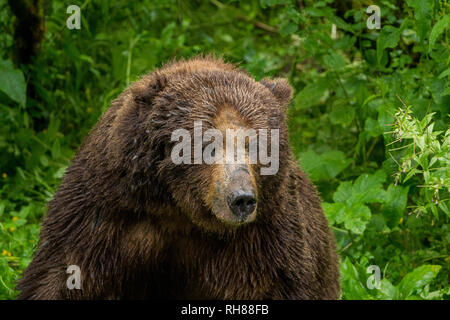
(235, 197)
(242, 203)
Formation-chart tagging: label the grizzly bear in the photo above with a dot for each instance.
(137, 225)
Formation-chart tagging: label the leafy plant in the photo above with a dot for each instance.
(426, 156)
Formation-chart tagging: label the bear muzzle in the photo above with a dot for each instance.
(242, 203)
(235, 197)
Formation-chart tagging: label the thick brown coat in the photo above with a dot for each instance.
(139, 227)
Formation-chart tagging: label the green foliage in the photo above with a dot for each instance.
(350, 201)
(414, 286)
(426, 158)
(325, 166)
(12, 82)
(380, 164)
(438, 29)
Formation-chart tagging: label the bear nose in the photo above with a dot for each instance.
(242, 203)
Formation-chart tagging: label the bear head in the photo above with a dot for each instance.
(205, 138)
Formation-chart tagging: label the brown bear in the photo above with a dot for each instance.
(140, 226)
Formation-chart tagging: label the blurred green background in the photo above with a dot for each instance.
(369, 121)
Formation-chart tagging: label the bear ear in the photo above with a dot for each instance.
(280, 88)
(146, 89)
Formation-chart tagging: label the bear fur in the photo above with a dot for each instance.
(138, 226)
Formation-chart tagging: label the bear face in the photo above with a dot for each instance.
(205, 104)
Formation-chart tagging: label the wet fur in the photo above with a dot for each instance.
(138, 226)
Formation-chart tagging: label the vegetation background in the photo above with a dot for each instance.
(369, 122)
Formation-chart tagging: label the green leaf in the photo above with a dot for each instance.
(2, 208)
(444, 73)
(12, 82)
(324, 166)
(44, 160)
(417, 279)
(437, 30)
(356, 218)
(395, 204)
(342, 114)
(311, 94)
(444, 208)
(368, 188)
(56, 149)
(355, 215)
(334, 212)
(343, 192)
(446, 92)
(288, 29)
(334, 61)
(352, 286)
(423, 10)
(387, 290)
(388, 38)
(373, 127)
(340, 23)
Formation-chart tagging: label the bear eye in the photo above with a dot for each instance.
(274, 119)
